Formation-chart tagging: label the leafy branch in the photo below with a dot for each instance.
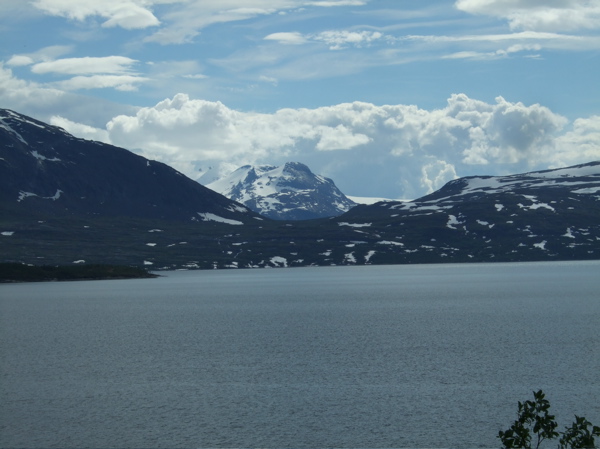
(534, 422)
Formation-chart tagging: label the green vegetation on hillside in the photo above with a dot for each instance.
(16, 272)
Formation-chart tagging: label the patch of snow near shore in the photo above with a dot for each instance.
(8, 233)
(541, 245)
(369, 255)
(390, 242)
(279, 261)
(355, 225)
(212, 217)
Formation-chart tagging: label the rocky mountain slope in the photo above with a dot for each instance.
(545, 215)
(288, 192)
(65, 200)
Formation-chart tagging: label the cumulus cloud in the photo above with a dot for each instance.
(581, 143)
(128, 14)
(398, 150)
(338, 138)
(552, 15)
(435, 174)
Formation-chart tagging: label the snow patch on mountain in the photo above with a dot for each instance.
(41, 157)
(212, 217)
(23, 195)
(355, 225)
(279, 261)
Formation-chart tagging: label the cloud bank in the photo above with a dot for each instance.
(389, 150)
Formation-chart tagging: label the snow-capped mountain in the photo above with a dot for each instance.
(44, 169)
(288, 192)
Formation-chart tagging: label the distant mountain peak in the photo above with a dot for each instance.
(287, 192)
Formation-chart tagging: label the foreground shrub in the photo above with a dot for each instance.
(535, 422)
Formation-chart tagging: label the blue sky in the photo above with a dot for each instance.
(389, 98)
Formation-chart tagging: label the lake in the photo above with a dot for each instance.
(374, 356)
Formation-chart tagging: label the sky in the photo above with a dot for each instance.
(389, 98)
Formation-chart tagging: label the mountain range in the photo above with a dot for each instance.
(288, 192)
(65, 200)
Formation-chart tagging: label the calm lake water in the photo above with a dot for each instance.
(382, 356)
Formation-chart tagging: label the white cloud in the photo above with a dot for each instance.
(42, 102)
(128, 14)
(80, 130)
(388, 147)
(435, 174)
(19, 94)
(93, 73)
(376, 49)
(338, 39)
(338, 138)
(20, 60)
(86, 65)
(119, 82)
(268, 79)
(335, 39)
(525, 40)
(579, 144)
(338, 3)
(291, 38)
(541, 15)
(196, 76)
(182, 24)
(45, 54)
